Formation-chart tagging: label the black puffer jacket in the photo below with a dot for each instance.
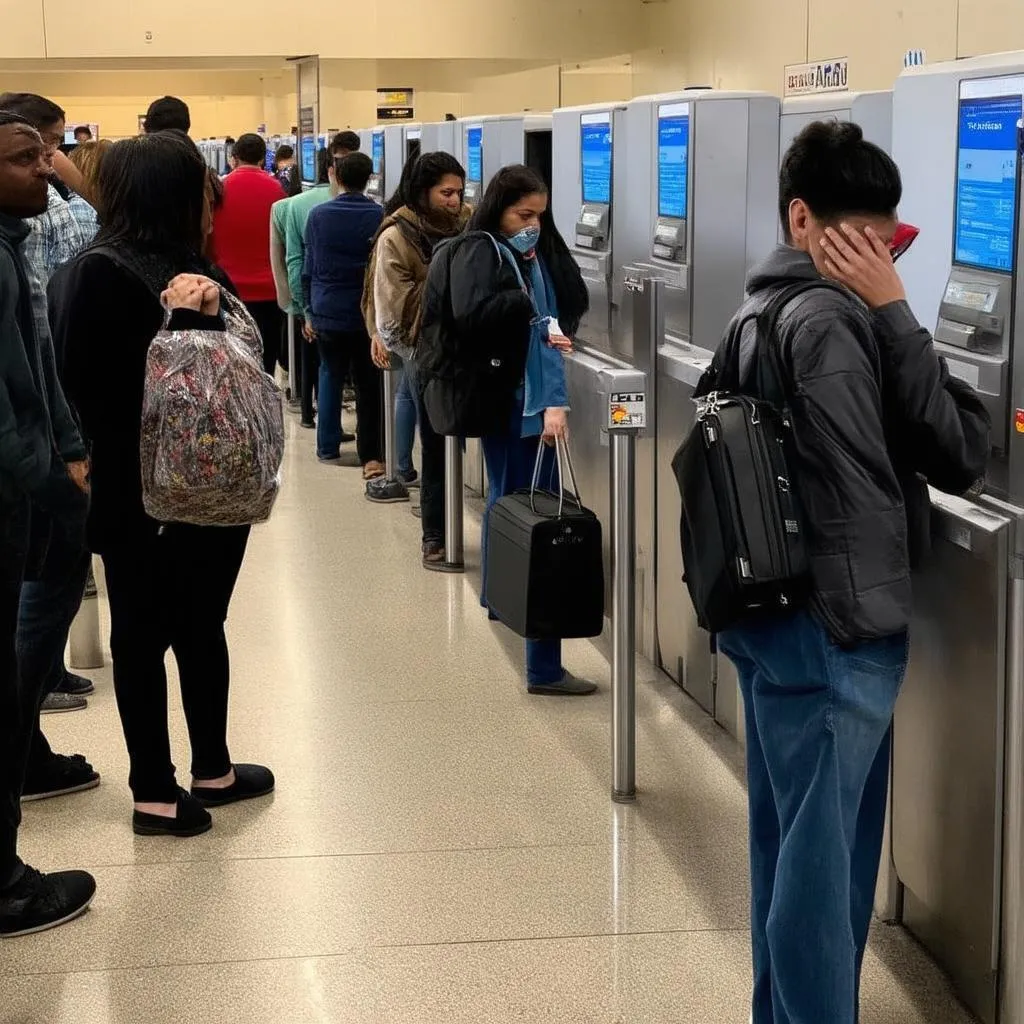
(875, 415)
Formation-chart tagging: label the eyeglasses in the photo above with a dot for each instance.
(902, 240)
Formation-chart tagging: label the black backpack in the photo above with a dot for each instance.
(742, 529)
(469, 383)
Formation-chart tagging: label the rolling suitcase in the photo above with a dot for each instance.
(545, 570)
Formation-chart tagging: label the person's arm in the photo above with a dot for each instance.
(310, 244)
(279, 258)
(72, 177)
(296, 251)
(480, 302)
(65, 429)
(948, 427)
(396, 292)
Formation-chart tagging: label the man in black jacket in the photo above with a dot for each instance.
(38, 483)
(875, 414)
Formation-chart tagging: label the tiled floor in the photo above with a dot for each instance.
(441, 849)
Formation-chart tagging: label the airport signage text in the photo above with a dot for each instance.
(817, 76)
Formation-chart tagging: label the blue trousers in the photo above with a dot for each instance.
(405, 422)
(510, 461)
(819, 721)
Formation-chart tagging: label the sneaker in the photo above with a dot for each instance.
(410, 479)
(251, 781)
(79, 686)
(329, 460)
(62, 775)
(308, 424)
(37, 902)
(56, 703)
(383, 491)
(569, 686)
(191, 819)
(346, 437)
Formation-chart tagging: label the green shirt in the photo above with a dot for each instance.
(296, 214)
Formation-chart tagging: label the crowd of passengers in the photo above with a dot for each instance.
(103, 248)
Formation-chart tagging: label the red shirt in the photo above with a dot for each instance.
(241, 232)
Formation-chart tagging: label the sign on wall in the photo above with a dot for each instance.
(817, 76)
(395, 105)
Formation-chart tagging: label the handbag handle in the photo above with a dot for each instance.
(561, 451)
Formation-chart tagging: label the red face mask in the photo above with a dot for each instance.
(902, 240)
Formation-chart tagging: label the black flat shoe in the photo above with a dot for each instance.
(191, 820)
(251, 781)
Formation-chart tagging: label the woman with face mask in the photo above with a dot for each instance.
(489, 292)
(432, 211)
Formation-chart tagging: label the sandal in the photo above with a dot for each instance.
(373, 470)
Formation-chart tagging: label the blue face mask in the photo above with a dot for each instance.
(526, 240)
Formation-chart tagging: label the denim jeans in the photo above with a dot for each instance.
(432, 469)
(510, 461)
(818, 723)
(49, 605)
(405, 423)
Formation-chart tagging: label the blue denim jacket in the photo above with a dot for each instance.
(544, 386)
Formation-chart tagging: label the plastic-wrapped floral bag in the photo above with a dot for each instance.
(212, 425)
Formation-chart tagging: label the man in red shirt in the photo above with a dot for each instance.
(241, 240)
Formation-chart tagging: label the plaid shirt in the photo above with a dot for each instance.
(85, 217)
(54, 239)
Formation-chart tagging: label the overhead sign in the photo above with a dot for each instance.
(914, 58)
(395, 105)
(817, 76)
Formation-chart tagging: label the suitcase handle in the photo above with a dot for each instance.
(561, 450)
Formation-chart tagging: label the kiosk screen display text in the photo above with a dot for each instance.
(596, 158)
(988, 159)
(308, 158)
(673, 159)
(475, 154)
(377, 152)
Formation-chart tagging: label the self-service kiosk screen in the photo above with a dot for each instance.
(377, 152)
(308, 158)
(596, 158)
(988, 150)
(475, 154)
(673, 159)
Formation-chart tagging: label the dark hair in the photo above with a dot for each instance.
(323, 163)
(353, 171)
(397, 200)
(284, 152)
(31, 109)
(450, 117)
(84, 128)
(835, 171)
(152, 190)
(505, 189)
(250, 149)
(168, 114)
(347, 141)
(9, 117)
(229, 140)
(426, 171)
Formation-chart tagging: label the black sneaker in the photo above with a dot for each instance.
(62, 775)
(568, 686)
(410, 479)
(77, 686)
(346, 437)
(36, 902)
(382, 491)
(57, 703)
(191, 820)
(251, 781)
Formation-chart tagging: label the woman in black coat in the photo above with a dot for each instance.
(169, 585)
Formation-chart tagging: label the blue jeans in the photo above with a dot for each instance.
(819, 723)
(405, 423)
(510, 460)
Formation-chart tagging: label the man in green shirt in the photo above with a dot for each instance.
(294, 213)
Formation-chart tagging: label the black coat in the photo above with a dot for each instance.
(875, 416)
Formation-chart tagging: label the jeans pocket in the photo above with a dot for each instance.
(886, 656)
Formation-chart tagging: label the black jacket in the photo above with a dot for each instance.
(37, 431)
(875, 415)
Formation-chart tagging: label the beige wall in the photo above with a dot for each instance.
(368, 29)
(747, 43)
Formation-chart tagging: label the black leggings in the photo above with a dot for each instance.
(271, 322)
(173, 591)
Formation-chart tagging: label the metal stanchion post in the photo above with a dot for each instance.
(454, 535)
(86, 647)
(294, 364)
(626, 391)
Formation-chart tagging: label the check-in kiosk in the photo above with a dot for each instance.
(517, 139)
(958, 757)
(378, 153)
(699, 211)
(440, 137)
(396, 148)
(412, 140)
(470, 152)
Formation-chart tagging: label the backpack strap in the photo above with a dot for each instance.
(505, 256)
